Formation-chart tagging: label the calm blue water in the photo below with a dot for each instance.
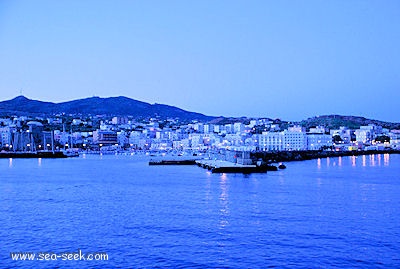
(337, 212)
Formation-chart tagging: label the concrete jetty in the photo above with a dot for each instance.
(219, 166)
(174, 160)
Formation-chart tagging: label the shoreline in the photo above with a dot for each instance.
(290, 156)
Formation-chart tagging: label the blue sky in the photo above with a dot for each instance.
(281, 59)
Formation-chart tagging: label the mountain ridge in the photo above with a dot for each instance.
(115, 106)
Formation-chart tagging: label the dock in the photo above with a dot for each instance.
(30, 155)
(174, 161)
(215, 166)
(219, 166)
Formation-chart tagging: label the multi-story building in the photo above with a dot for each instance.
(119, 120)
(317, 130)
(318, 141)
(285, 140)
(368, 133)
(294, 140)
(5, 136)
(271, 141)
(344, 133)
(105, 137)
(197, 140)
(394, 136)
(238, 127)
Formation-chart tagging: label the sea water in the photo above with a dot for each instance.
(325, 213)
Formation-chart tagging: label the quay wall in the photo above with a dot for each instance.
(288, 156)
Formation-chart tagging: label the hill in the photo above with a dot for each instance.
(112, 106)
(352, 122)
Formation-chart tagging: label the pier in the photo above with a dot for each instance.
(219, 166)
(172, 162)
(57, 154)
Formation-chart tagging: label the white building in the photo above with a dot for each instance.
(363, 135)
(134, 138)
(76, 121)
(199, 127)
(197, 140)
(280, 141)
(5, 136)
(228, 128)
(318, 141)
(296, 128)
(394, 139)
(269, 141)
(317, 130)
(343, 132)
(252, 123)
(367, 133)
(206, 128)
(294, 140)
(119, 120)
(238, 127)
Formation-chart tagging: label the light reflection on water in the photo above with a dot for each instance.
(374, 160)
(386, 159)
(353, 161)
(224, 201)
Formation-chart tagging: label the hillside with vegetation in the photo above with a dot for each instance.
(352, 122)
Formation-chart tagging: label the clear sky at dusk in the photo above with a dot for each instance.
(286, 59)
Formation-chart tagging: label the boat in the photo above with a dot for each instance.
(282, 166)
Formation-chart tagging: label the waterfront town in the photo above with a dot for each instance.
(101, 134)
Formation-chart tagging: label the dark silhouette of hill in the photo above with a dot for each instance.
(352, 122)
(115, 106)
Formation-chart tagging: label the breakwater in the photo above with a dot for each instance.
(57, 154)
(287, 156)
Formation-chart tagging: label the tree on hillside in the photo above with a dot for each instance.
(382, 139)
(337, 139)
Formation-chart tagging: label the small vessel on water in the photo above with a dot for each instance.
(282, 166)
